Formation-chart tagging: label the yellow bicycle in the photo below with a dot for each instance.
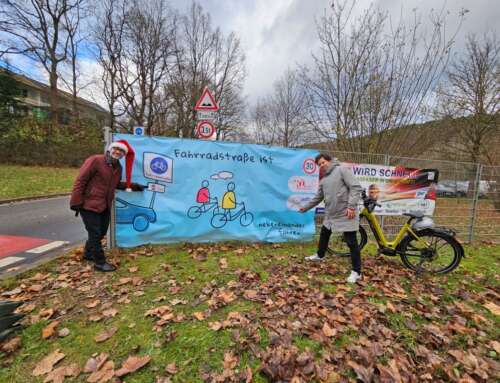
(422, 246)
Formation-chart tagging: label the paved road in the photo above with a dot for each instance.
(32, 231)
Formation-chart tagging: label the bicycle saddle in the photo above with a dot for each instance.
(415, 214)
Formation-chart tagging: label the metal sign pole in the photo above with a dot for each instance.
(110, 238)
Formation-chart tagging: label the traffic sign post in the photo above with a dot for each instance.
(206, 107)
(139, 130)
(206, 102)
(205, 115)
(205, 130)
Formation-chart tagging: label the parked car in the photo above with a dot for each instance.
(139, 216)
(450, 188)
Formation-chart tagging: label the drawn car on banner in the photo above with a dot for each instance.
(139, 216)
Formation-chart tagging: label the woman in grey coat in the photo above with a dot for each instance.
(341, 192)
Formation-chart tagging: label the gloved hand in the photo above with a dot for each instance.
(137, 187)
(76, 209)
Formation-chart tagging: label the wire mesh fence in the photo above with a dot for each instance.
(468, 195)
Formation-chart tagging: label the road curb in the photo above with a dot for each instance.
(43, 259)
(12, 200)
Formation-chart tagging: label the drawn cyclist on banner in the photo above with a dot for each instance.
(228, 210)
(229, 204)
(207, 202)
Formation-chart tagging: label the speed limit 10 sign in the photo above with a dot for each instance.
(205, 130)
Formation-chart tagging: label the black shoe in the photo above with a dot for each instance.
(104, 267)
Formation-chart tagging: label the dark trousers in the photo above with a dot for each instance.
(351, 240)
(96, 225)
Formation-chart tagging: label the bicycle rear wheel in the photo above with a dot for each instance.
(442, 256)
(338, 246)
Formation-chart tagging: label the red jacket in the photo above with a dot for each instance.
(94, 188)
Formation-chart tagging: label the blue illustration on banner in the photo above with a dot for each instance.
(156, 167)
(222, 191)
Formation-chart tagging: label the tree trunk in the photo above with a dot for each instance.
(54, 102)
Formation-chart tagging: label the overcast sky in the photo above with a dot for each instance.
(277, 34)
(281, 33)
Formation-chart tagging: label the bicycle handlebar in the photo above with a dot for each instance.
(368, 202)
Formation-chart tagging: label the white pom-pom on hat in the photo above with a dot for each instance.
(119, 145)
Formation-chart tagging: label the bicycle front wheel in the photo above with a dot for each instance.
(440, 255)
(338, 246)
(194, 212)
(218, 220)
(246, 219)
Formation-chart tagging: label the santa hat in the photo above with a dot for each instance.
(120, 144)
(129, 159)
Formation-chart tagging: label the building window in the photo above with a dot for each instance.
(24, 92)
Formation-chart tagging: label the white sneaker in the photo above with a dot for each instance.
(314, 258)
(354, 277)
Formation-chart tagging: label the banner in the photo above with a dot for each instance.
(200, 191)
(397, 189)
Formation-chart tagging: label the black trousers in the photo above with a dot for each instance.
(96, 225)
(351, 240)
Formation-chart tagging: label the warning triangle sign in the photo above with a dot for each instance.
(206, 101)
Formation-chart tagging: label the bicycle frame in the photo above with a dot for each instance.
(207, 206)
(236, 215)
(379, 234)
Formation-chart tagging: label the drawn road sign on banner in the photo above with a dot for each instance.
(157, 167)
(206, 102)
(221, 191)
(309, 166)
(205, 129)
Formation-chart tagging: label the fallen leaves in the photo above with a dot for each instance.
(363, 373)
(199, 315)
(223, 263)
(288, 301)
(105, 335)
(49, 330)
(92, 304)
(230, 360)
(216, 326)
(11, 345)
(47, 364)
(251, 295)
(171, 368)
(495, 345)
(328, 331)
(110, 313)
(59, 374)
(494, 308)
(133, 363)
(104, 374)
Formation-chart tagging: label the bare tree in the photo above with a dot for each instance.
(469, 100)
(148, 46)
(135, 41)
(108, 33)
(262, 131)
(35, 29)
(204, 57)
(280, 118)
(72, 25)
(371, 79)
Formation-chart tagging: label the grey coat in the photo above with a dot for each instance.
(340, 190)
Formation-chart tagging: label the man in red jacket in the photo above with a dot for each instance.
(93, 193)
